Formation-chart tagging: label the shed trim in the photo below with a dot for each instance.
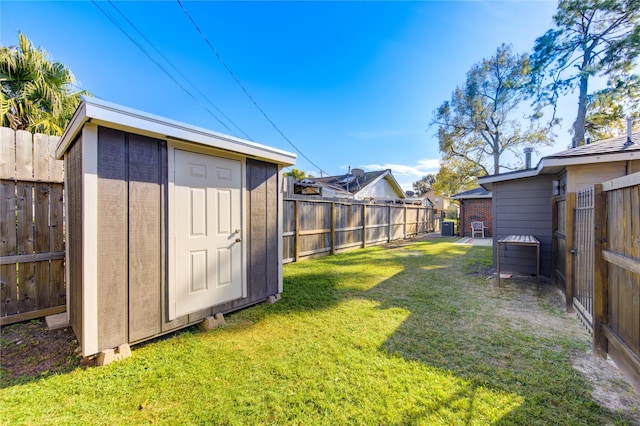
(280, 192)
(115, 116)
(89, 242)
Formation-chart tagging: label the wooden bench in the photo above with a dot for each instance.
(521, 240)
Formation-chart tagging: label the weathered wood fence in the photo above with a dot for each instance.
(616, 275)
(31, 227)
(320, 227)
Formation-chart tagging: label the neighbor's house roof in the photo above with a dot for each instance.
(361, 185)
(115, 116)
(608, 150)
(474, 193)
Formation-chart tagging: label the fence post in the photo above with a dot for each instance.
(333, 227)
(600, 279)
(364, 225)
(404, 231)
(554, 241)
(296, 237)
(570, 228)
(389, 226)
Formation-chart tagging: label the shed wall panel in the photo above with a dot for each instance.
(523, 207)
(262, 211)
(112, 241)
(272, 228)
(145, 265)
(74, 234)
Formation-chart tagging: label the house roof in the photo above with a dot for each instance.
(356, 182)
(608, 150)
(115, 116)
(478, 192)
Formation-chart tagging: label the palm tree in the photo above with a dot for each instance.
(37, 94)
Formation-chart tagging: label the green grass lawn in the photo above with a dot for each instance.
(411, 334)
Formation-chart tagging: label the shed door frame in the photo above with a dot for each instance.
(171, 270)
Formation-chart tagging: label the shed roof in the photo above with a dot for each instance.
(116, 116)
(607, 150)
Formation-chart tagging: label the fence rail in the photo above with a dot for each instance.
(31, 227)
(319, 227)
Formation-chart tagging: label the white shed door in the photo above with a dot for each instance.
(208, 247)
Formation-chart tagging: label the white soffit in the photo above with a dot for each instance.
(115, 116)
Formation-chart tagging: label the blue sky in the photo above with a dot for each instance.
(348, 83)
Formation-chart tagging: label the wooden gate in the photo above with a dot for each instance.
(616, 329)
(31, 227)
(559, 242)
(583, 259)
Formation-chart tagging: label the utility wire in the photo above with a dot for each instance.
(115, 22)
(177, 70)
(204, 37)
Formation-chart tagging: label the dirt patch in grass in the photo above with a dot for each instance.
(521, 309)
(29, 351)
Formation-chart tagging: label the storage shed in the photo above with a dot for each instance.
(166, 224)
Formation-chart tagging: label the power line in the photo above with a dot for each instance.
(177, 70)
(117, 24)
(204, 37)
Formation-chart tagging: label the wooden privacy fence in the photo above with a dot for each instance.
(31, 227)
(317, 227)
(616, 274)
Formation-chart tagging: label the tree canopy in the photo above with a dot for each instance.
(484, 120)
(424, 184)
(37, 93)
(455, 176)
(590, 38)
(297, 174)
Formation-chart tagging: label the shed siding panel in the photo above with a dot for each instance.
(262, 210)
(112, 241)
(256, 250)
(74, 234)
(272, 228)
(144, 237)
(523, 206)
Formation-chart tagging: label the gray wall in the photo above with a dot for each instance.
(523, 207)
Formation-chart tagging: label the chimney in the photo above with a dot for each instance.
(527, 157)
(629, 141)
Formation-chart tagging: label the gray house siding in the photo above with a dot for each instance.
(523, 207)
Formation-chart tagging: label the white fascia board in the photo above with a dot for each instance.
(592, 159)
(115, 116)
